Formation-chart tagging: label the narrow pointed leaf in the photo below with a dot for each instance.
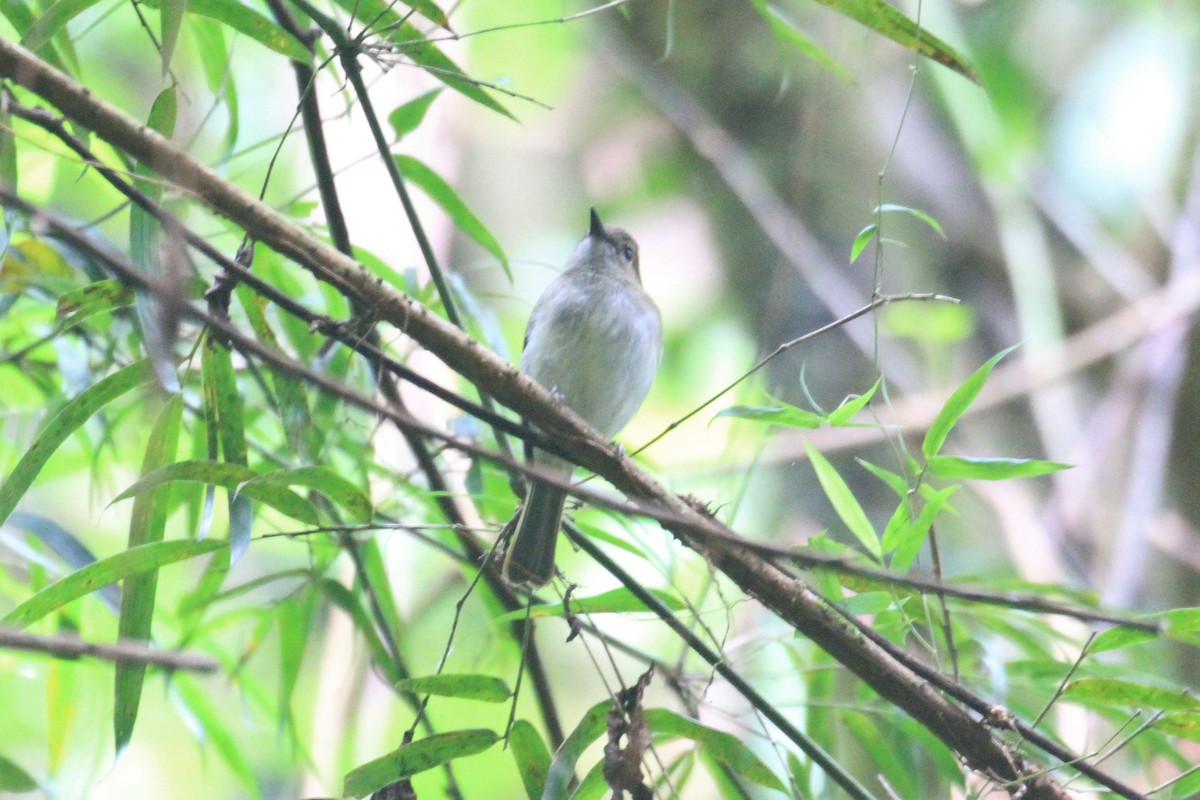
(844, 502)
(105, 571)
(67, 545)
(786, 32)
(1112, 692)
(886, 20)
(908, 540)
(612, 601)
(486, 688)
(14, 779)
(957, 405)
(861, 241)
(846, 411)
(407, 118)
(222, 393)
(531, 756)
(341, 597)
(991, 469)
(441, 193)
(327, 482)
(170, 20)
(924, 216)
(724, 747)
(562, 767)
(783, 415)
(233, 477)
(246, 20)
(100, 297)
(425, 754)
(65, 422)
(147, 524)
(52, 21)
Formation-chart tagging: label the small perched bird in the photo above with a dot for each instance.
(594, 340)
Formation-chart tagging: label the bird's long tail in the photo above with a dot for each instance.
(530, 560)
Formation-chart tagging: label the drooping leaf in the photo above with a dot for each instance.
(787, 33)
(218, 73)
(246, 20)
(147, 524)
(53, 20)
(224, 400)
(170, 20)
(327, 482)
(907, 541)
(145, 236)
(105, 571)
(342, 597)
(861, 241)
(562, 767)
(100, 297)
(844, 502)
(886, 20)
(531, 756)
(486, 688)
(421, 755)
(957, 405)
(67, 545)
(65, 422)
(842, 415)
(724, 747)
(441, 193)
(924, 216)
(416, 46)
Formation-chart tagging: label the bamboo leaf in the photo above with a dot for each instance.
(407, 118)
(531, 756)
(224, 401)
(53, 20)
(562, 768)
(246, 20)
(147, 524)
(614, 601)
(844, 503)
(441, 193)
(991, 469)
(134, 561)
(170, 20)
(235, 478)
(884, 19)
(724, 747)
(417, 757)
(783, 415)
(65, 422)
(487, 688)
(957, 405)
(327, 482)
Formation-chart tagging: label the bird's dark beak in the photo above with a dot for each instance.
(597, 229)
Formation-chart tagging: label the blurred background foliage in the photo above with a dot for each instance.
(1066, 185)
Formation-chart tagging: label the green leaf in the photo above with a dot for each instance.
(787, 33)
(937, 323)
(234, 478)
(211, 727)
(134, 561)
(487, 688)
(957, 405)
(65, 422)
(147, 524)
(895, 482)
(327, 482)
(613, 601)
(562, 768)
(842, 415)
(100, 297)
(844, 502)
(907, 541)
(344, 599)
(991, 469)
(724, 747)
(783, 415)
(416, 46)
(296, 618)
(861, 241)
(416, 757)
(144, 238)
(223, 406)
(53, 20)
(1111, 692)
(531, 756)
(170, 20)
(218, 73)
(406, 118)
(440, 192)
(884, 19)
(14, 779)
(244, 19)
(1120, 636)
(924, 216)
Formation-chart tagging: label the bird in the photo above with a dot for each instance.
(594, 341)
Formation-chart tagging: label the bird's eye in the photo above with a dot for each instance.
(628, 253)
